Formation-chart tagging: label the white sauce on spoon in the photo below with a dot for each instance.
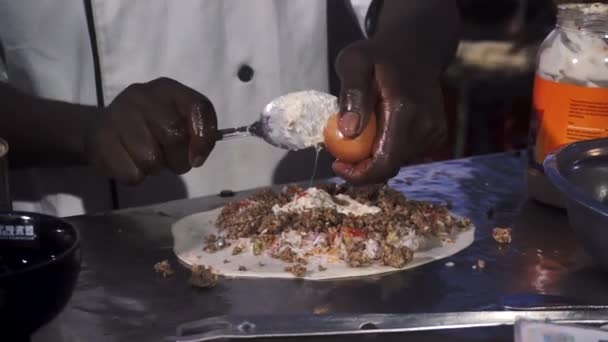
(296, 120)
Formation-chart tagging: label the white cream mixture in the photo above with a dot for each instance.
(316, 198)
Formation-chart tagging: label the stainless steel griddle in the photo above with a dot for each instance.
(120, 298)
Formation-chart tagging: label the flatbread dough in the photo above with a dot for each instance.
(189, 233)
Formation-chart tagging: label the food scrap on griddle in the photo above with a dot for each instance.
(298, 270)
(203, 277)
(502, 235)
(163, 268)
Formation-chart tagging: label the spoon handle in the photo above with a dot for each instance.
(238, 132)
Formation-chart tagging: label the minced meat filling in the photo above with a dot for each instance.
(254, 218)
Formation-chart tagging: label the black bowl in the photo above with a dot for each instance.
(580, 172)
(39, 267)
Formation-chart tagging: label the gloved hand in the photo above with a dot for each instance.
(149, 127)
(406, 96)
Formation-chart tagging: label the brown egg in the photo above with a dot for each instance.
(349, 150)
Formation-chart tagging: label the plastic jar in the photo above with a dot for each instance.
(570, 101)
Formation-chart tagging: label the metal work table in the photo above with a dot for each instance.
(120, 298)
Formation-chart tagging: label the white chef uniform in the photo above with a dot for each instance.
(239, 53)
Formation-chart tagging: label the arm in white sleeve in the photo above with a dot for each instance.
(360, 7)
(3, 72)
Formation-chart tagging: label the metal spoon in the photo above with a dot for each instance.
(293, 121)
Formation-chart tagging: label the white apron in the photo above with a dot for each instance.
(200, 43)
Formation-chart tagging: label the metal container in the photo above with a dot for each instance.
(570, 90)
(580, 172)
(5, 198)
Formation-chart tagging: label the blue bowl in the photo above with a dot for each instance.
(39, 266)
(580, 172)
